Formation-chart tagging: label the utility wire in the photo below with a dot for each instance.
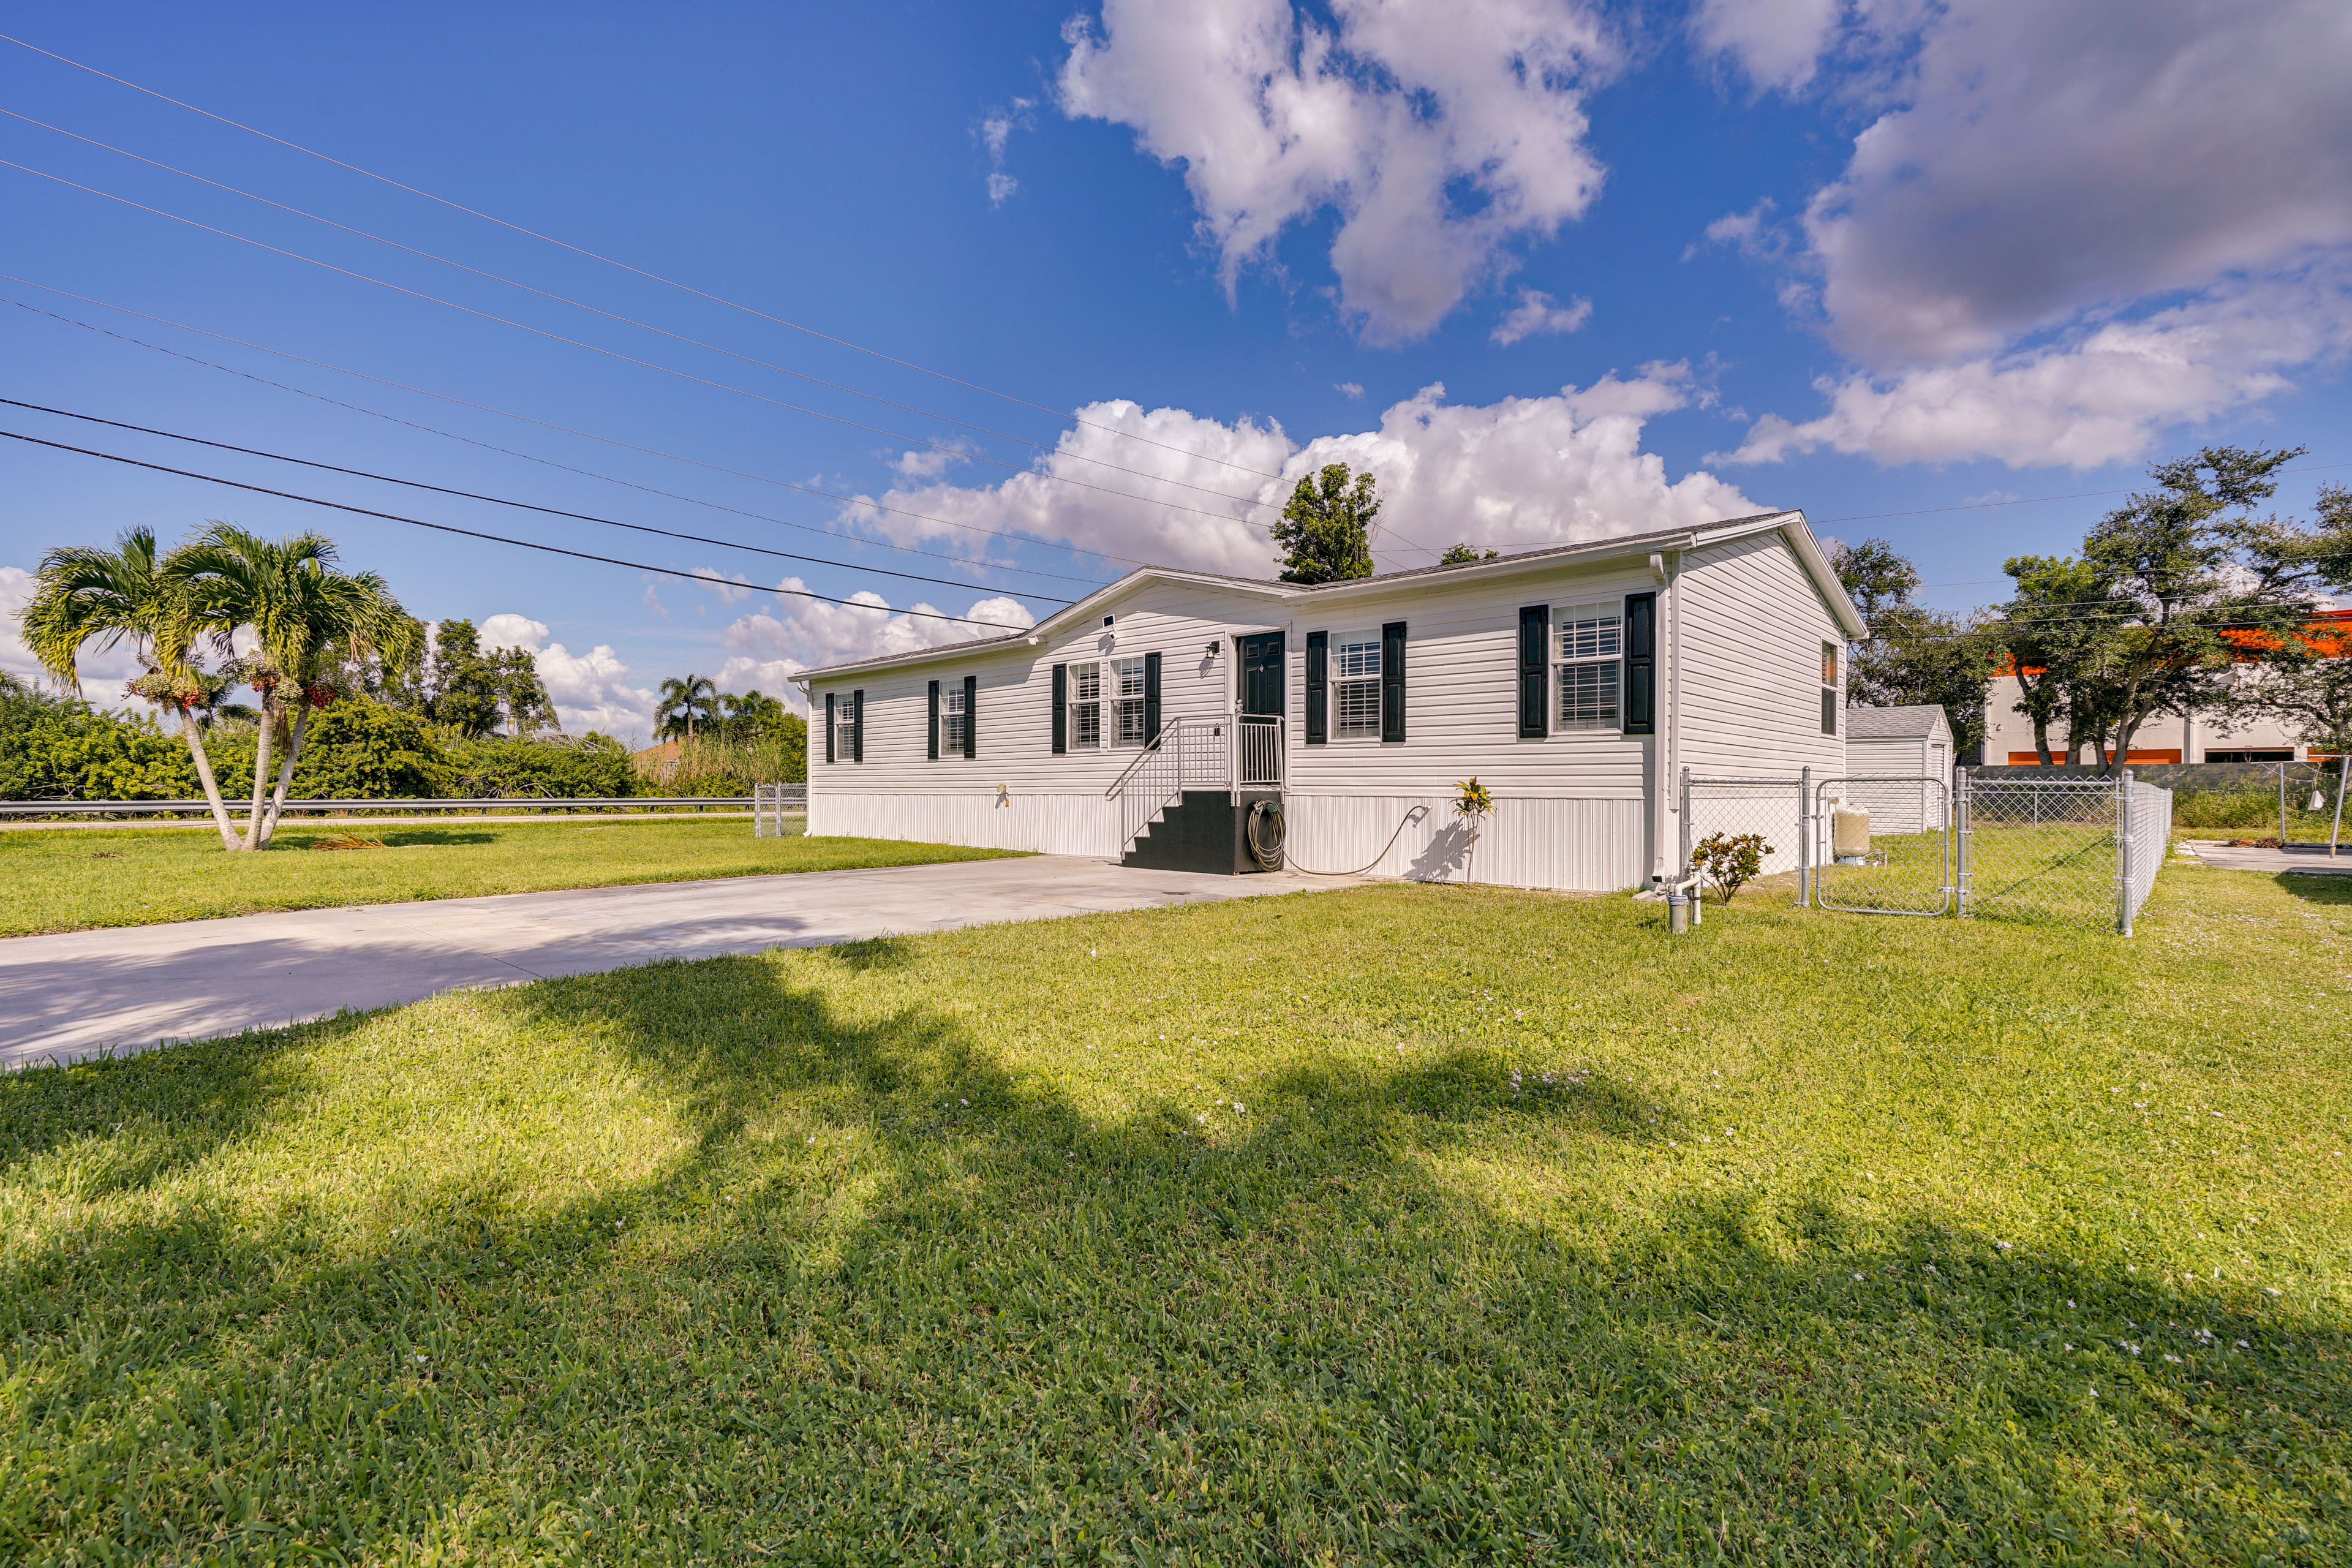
(624, 266)
(858, 502)
(628, 321)
(714, 581)
(498, 501)
(616, 353)
(981, 565)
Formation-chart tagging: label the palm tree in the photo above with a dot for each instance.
(305, 615)
(89, 595)
(682, 703)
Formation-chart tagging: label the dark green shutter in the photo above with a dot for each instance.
(828, 726)
(1640, 664)
(857, 725)
(935, 720)
(1061, 709)
(1151, 698)
(1393, 681)
(971, 715)
(1318, 687)
(1535, 657)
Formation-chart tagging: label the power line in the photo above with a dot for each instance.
(616, 316)
(497, 501)
(981, 565)
(616, 354)
(727, 582)
(624, 266)
(858, 502)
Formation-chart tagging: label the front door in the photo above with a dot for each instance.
(1262, 674)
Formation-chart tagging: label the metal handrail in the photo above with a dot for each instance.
(1144, 755)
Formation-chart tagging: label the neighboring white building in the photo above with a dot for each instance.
(2167, 737)
(1146, 722)
(1910, 743)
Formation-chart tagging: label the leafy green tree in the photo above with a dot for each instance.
(1913, 655)
(750, 717)
(308, 619)
(1325, 530)
(361, 750)
(684, 703)
(1460, 554)
(2200, 587)
(2055, 634)
(85, 595)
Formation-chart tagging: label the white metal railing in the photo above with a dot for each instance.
(1226, 751)
(1258, 743)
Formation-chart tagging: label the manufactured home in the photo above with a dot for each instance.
(1187, 721)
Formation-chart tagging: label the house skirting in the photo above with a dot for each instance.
(1577, 843)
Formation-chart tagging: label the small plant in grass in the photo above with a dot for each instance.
(1473, 804)
(1730, 861)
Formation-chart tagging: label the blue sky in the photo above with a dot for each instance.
(1554, 270)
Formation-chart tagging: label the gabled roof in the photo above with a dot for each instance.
(1913, 723)
(1274, 594)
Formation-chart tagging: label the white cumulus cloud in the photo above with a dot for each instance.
(103, 670)
(1536, 315)
(2104, 394)
(1386, 118)
(1521, 472)
(588, 689)
(2112, 216)
(807, 634)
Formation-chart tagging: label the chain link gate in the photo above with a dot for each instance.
(1883, 845)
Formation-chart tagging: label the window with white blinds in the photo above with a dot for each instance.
(1356, 683)
(1128, 690)
(1085, 705)
(1589, 644)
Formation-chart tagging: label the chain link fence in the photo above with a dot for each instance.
(2081, 851)
(1889, 845)
(1771, 809)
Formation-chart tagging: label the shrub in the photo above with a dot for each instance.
(709, 765)
(1729, 862)
(360, 749)
(551, 767)
(59, 749)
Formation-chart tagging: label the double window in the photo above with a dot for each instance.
(1588, 649)
(1086, 682)
(1127, 691)
(1356, 673)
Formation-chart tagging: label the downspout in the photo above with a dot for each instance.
(1664, 804)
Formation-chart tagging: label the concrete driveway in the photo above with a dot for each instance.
(2311, 859)
(128, 988)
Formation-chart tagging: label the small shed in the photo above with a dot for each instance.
(1911, 743)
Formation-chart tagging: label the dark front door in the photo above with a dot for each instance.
(1262, 682)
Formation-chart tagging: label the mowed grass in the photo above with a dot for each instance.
(1404, 1224)
(74, 879)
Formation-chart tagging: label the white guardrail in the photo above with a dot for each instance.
(796, 801)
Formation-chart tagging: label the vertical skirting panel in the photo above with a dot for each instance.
(1572, 845)
(1045, 823)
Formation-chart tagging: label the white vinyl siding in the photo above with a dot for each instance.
(1752, 629)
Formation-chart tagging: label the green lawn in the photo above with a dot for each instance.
(73, 878)
(1405, 1224)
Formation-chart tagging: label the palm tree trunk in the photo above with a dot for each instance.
(286, 772)
(262, 739)
(193, 734)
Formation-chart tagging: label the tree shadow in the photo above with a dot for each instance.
(977, 1316)
(105, 1125)
(2316, 886)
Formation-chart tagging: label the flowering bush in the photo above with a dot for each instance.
(1730, 862)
